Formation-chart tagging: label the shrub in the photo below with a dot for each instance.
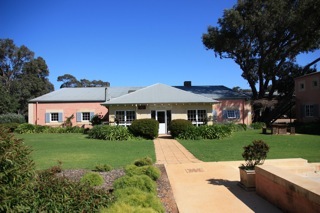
(59, 194)
(25, 128)
(179, 126)
(190, 133)
(12, 118)
(146, 128)
(96, 120)
(151, 171)
(308, 128)
(120, 207)
(103, 168)
(257, 125)
(10, 126)
(141, 182)
(16, 174)
(143, 161)
(137, 198)
(255, 154)
(217, 131)
(112, 133)
(92, 178)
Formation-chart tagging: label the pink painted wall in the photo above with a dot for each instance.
(37, 112)
(243, 106)
(307, 91)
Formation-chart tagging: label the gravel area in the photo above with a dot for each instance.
(163, 185)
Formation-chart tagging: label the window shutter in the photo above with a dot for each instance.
(60, 115)
(78, 115)
(237, 112)
(224, 114)
(91, 115)
(316, 110)
(47, 117)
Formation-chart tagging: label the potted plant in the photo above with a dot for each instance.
(253, 154)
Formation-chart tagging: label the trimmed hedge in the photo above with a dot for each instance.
(146, 128)
(92, 178)
(179, 126)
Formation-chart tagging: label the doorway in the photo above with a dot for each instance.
(161, 118)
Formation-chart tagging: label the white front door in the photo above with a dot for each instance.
(161, 118)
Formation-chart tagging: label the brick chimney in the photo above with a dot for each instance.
(187, 83)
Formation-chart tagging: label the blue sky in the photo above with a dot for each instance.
(125, 42)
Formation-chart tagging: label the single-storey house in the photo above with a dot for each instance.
(307, 92)
(121, 105)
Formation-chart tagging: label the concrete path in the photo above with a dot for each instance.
(205, 187)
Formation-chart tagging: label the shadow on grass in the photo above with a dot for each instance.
(249, 198)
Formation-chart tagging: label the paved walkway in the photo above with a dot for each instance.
(205, 187)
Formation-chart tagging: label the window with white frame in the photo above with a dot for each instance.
(86, 116)
(54, 117)
(197, 117)
(231, 114)
(125, 118)
(309, 110)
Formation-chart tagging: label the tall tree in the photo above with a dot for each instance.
(22, 77)
(264, 39)
(71, 81)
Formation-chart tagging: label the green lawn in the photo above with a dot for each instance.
(281, 146)
(76, 151)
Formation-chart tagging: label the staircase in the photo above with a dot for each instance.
(283, 106)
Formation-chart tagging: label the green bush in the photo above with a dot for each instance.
(107, 132)
(136, 197)
(16, 174)
(92, 178)
(10, 126)
(120, 207)
(216, 131)
(146, 128)
(190, 133)
(258, 125)
(255, 154)
(59, 194)
(12, 118)
(96, 120)
(179, 126)
(103, 168)
(142, 182)
(25, 128)
(143, 161)
(308, 128)
(151, 171)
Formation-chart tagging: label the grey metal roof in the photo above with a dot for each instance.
(214, 92)
(159, 93)
(82, 94)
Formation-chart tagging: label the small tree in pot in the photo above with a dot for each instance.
(253, 154)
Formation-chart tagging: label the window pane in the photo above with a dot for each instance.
(192, 116)
(202, 115)
(120, 117)
(130, 116)
(54, 117)
(231, 113)
(86, 116)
